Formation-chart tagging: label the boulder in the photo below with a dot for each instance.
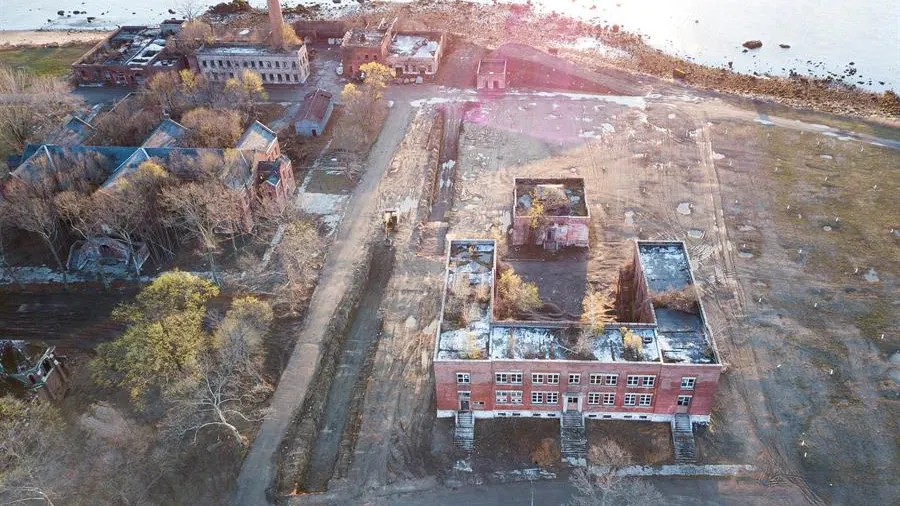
(679, 74)
(753, 44)
(784, 46)
(60, 13)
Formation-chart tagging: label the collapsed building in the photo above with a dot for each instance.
(415, 55)
(254, 169)
(410, 55)
(656, 362)
(550, 213)
(128, 57)
(33, 369)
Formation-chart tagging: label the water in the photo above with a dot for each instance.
(824, 35)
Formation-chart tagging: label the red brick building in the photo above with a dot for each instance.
(129, 57)
(551, 213)
(365, 45)
(650, 369)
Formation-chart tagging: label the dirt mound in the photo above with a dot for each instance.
(103, 421)
(532, 68)
(547, 454)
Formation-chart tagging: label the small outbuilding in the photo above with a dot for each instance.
(491, 75)
(314, 113)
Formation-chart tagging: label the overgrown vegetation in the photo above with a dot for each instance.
(608, 488)
(160, 349)
(31, 106)
(515, 296)
(365, 109)
(679, 300)
(44, 61)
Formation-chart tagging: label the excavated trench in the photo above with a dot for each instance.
(360, 341)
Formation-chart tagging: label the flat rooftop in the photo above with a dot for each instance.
(364, 37)
(414, 46)
(681, 333)
(466, 319)
(468, 331)
(244, 49)
(565, 343)
(130, 46)
(559, 197)
(488, 67)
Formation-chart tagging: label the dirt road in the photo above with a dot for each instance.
(259, 467)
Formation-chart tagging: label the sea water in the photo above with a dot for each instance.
(859, 40)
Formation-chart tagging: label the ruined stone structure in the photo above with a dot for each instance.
(128, 57)
(491, 75)
(220, 62)
(415, 55)
(365, 45)
(656, 363)
(551, 213)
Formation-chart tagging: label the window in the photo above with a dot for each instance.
(253, 64)
(204, 63)
(462, 378)
(272, 77)
(293, 64)
(646, 400)
(537, 397)
(508, 378)
(688, 383)
(277, 65)
(604, 379)
(594, 398)
(228, 63)
(684, 400)
(279, 76)
(269, 65)
(231, 75)
(553, 379)
(244, 64)
(537, 379)
(630, 399)
(260, 64)
(552, 397)
(574, 379)
(296, 78)
(501, 397)
(220, 63)
(366, 57)
(609, 399)
(641, 381)
(515, 397)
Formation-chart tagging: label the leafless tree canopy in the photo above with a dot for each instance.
(30, 105)
(212, 128)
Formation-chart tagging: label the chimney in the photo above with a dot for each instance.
(276, 23)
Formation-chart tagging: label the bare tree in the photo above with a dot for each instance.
(298, 258)
(212, 128)
(190, 9)
(32, 444)
(79, 211)
(606, 486)
(30, 206)
(29, 105)
(202, 208)
(231, 385)
(125, 209)
(129, 123)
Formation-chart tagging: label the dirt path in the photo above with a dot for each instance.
(259, 467)
(453, 114)
(365, 330)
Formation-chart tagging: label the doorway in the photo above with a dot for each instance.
(573, 402)
(465, 400)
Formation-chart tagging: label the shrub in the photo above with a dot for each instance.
(633, 344)
(515, 296)
(679, 300)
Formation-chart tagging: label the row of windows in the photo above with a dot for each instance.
(251, 64)
(515, 378)
(609, 399)
(594, 398)
(267, 78)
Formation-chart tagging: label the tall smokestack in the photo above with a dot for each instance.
(276, 22)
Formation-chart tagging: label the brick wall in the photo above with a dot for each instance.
(665, 390)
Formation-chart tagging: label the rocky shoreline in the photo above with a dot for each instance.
(493, 25)
(39, 38)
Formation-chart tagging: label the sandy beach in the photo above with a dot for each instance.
(44, 37)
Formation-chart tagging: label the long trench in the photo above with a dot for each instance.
(363, 335)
